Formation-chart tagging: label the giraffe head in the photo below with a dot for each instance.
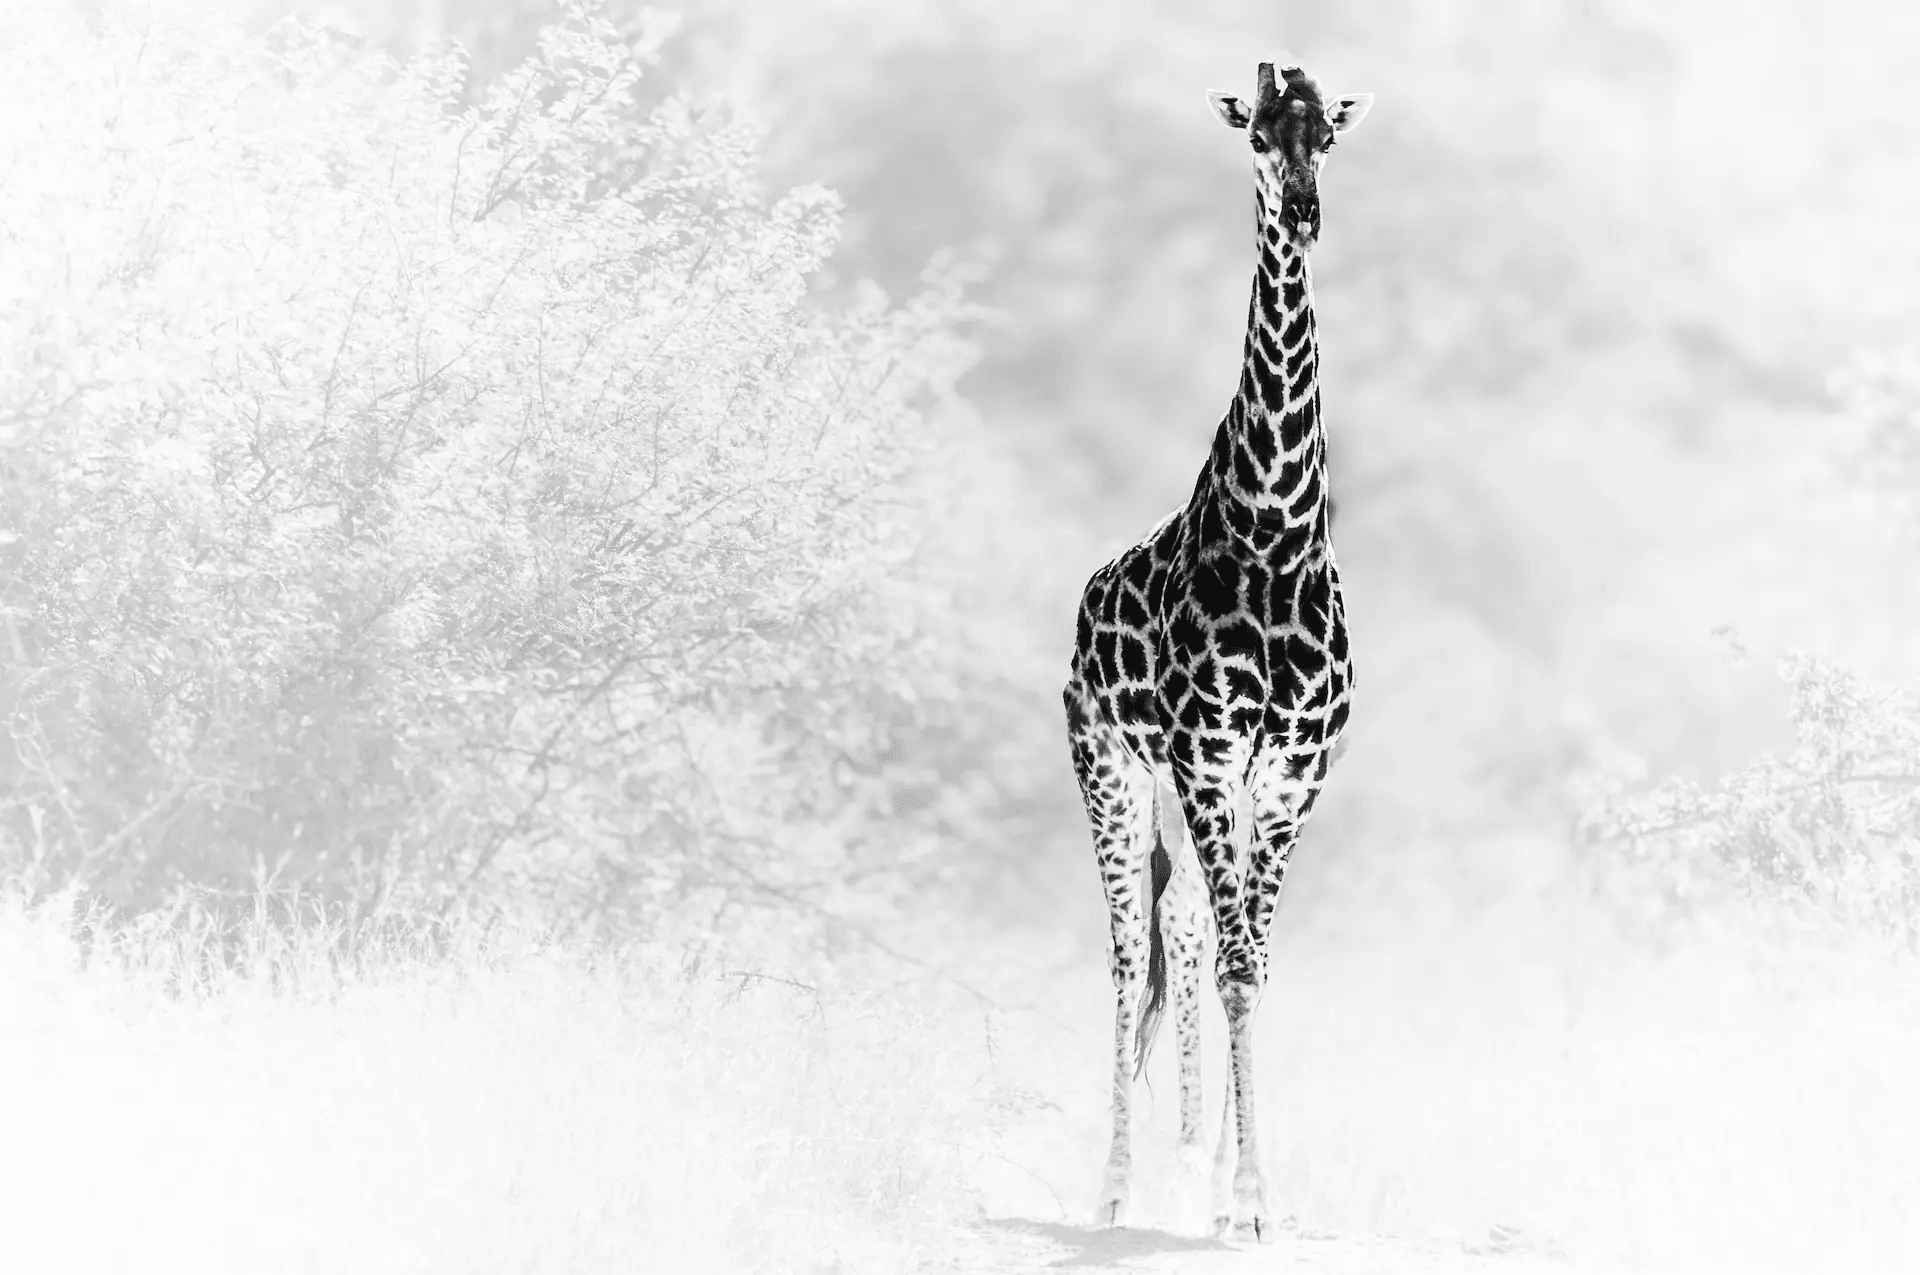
(1291, 127)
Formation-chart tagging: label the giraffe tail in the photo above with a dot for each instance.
(1153, 1004)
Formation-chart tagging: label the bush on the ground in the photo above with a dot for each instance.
(404, 499)
(1830, 829)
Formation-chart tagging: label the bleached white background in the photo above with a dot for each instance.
(534, 582)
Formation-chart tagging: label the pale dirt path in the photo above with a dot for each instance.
(1010, 1246)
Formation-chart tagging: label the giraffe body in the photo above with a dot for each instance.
(1211, 659)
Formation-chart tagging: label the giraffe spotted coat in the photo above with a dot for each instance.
(1211, 658)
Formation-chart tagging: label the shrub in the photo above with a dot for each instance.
(402, 498)
(1830, 831)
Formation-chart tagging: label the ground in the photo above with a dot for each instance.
(1012, 1245)
(514, 1105)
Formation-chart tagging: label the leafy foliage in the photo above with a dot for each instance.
(1832, 828)
(405, 496)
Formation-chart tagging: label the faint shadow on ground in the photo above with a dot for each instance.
(1105, 1246)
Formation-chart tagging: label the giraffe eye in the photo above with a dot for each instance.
(1259, 144)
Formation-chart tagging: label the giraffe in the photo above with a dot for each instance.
(1210, 660)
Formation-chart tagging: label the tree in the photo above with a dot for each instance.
(405, 497)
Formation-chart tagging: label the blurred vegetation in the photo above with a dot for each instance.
(1830, 829)
(489, 1097)
(410, 502)
(1586, 271)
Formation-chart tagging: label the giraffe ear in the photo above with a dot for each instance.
(1231, 110)
(1348, 111)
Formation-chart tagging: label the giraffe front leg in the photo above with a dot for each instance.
(1242, 975)
(1239, 971)
(1252, 1204)
(1278, 815)
(1226, 1156)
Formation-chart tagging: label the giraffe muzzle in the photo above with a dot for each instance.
(1300, 216)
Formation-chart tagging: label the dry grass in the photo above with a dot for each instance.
(297, 1101)
(495, 1103)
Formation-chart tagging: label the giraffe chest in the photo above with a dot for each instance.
(1223, 658)
(1252, 653)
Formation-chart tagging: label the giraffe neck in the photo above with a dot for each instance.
(1267, 472)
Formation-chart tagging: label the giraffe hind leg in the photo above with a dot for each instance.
(1118, 792)
(1185, 925)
